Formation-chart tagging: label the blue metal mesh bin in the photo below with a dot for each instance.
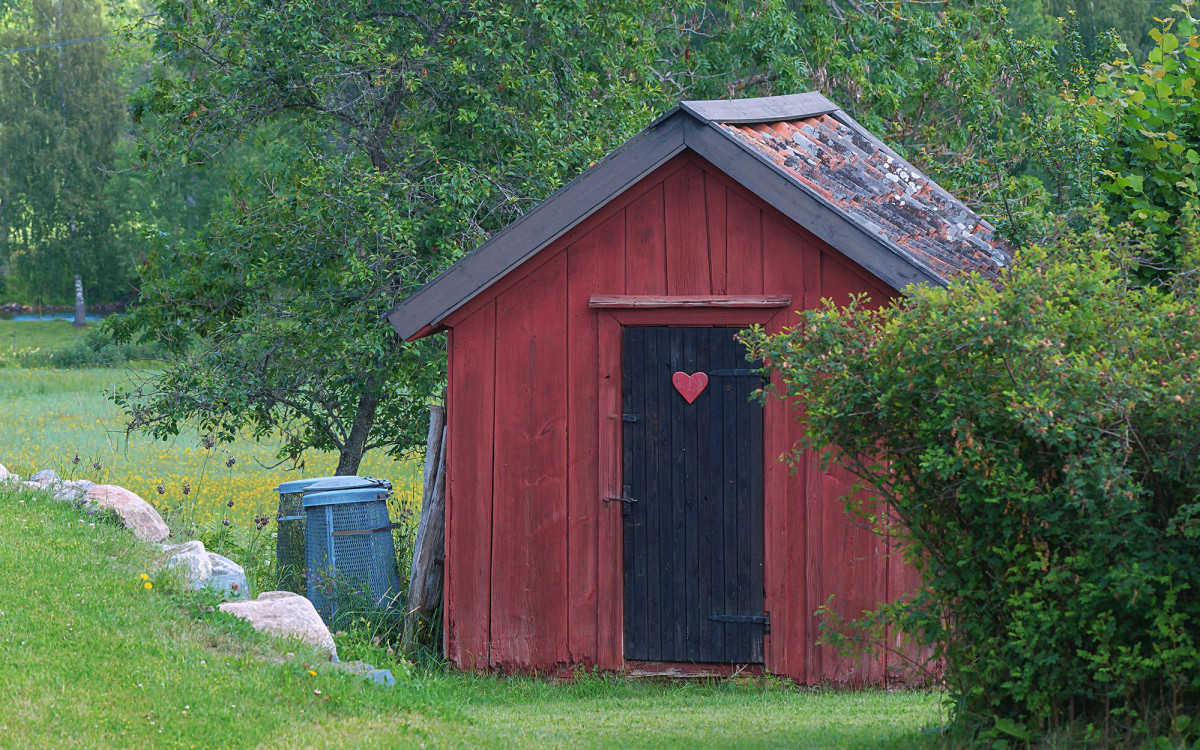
(289, 535)
(349, 542)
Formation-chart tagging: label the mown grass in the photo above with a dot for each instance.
(91, 658)
(49, 417)
(41, 334)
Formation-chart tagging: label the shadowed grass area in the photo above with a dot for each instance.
(89, 657)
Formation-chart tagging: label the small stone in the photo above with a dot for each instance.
(8, 476)
(228, 576)
(192, 559)
(382, 677)
(285, 614)
(137, 514)
(358, 666)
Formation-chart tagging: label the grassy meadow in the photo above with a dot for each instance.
(50, 416)
(92, 657)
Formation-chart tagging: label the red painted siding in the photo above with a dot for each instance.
(533, 552)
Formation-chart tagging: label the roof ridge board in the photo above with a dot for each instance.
(851, 218)
(760, 110)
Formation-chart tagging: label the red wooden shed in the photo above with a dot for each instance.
(615, 498)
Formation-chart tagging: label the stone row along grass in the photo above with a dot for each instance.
(90, 656)
(48, 417)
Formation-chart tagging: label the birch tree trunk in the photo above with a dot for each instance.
(80, 308)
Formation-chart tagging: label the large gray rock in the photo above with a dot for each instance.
(228, 576)
(137, 514)
(72, 490)
(191, 560)
(285, 614)
(45, 476)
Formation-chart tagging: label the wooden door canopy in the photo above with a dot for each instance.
(640, 301)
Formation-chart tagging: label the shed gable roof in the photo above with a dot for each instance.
(799, 153)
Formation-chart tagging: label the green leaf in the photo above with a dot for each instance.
(1012, 728)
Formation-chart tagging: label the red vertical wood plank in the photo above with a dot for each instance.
(595, 265)
(610, 578)
(646, 244)
(714, 200)
(785, 270)
(471, 402)
(529, 535)
(744, 249)
(688, 263)
(903, 660)
(447, 591)
(853, 559)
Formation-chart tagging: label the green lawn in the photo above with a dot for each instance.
(90, 658)
(39, 334)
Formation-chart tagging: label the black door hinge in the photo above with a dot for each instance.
(764, 620)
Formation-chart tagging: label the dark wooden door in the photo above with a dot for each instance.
(693, 500)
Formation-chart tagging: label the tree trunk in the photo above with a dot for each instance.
(425, 575)
(80, 309)
(352, 451)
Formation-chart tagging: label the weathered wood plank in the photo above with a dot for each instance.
(688, 263)
(595, 263)
(646, 301)
(529, 581)
(426, 572)
(788, 263)
(714, 201)
(744, 252)
(610, 595)
(646, 244)
(471, 407)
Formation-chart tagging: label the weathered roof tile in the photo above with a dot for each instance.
(882, 192)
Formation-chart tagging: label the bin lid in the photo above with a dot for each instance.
(329, 484)
(341, 490)
(297, 485)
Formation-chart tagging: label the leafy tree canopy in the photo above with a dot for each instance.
(61, 115)
(403, 135)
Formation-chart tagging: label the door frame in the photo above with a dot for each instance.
(614, 314)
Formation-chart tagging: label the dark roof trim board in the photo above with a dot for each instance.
(697, 126)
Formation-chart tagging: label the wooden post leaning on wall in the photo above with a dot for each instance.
(425, 576)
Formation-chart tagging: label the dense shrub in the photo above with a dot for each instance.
(97, 349)
(1040, 440)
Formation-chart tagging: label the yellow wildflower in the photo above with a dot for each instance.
(147, 585)
(145, 577)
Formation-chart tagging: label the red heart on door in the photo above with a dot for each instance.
(690, 386)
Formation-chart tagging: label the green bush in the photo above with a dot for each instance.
(1040, 441)
(97, 349)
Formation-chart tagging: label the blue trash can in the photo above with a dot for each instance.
(349, 542)
(290, 559)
